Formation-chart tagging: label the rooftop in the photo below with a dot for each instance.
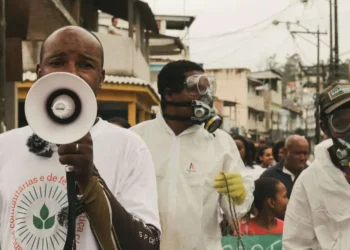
(267, 74)
(176, 22)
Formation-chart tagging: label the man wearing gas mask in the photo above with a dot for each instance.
(318, 213)
(191, 156)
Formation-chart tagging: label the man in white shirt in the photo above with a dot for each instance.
(190, 157)
(318, 213)
(114, 171)
(296, 154)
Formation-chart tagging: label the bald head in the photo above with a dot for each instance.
(296, 153)
(294, 139)
(74, 50)
(76, 30)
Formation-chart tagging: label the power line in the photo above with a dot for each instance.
(236, 49)
(313, 42)
(312, 34)
(305, 39)
(279, 47)
(245, 28)
(297, 48)
(229, 42)
(345, 53)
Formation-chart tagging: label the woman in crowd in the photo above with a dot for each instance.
(270, 204)
(265, 157)
(247, 154)
(278, 151)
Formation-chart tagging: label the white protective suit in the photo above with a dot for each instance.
(318, 213)
(186, 166)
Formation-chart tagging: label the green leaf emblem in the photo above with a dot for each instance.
(44, 221)
(50, 222)
(38, 223)
(44, 212)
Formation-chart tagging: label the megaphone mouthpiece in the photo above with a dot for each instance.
(63, 106)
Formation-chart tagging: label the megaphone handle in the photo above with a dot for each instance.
(72, 199)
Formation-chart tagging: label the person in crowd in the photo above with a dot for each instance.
(247, 155)
(193, 161)
(270, 143)
(247, 151)
(269, 206)
(318, 215)
(262, 142)
(265, 157)
(113, 28)
(295, 157)
(121, 122)
(278, 151)
(115, 177)
(252, 148)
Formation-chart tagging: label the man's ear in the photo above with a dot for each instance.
(168, 95)
(324, 128)
(102, 78)
(38, 71)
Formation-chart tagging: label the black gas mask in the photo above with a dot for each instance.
(203, 111)
(339, 124)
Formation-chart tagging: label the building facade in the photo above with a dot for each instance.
(126, 92)
(243, 107)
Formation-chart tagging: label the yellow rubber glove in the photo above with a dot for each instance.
(235, 186)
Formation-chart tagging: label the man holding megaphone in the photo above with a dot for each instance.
(115, 178)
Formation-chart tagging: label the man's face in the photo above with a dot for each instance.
(296, 155)
(184, 97)
(74, 51)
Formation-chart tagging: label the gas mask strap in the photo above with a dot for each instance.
(177, 118)
(179, 104)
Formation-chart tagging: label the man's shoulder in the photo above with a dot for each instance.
(309, 170)
(222, 134)
(272, 171)
(223, 137)
(143, 126)
(120, 136)
(15, 134)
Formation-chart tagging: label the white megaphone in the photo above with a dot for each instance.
(60, 108)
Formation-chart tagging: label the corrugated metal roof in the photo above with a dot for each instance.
(128, 80)
(29, 76)
(125, 80)
(255, 80)
(162, 60)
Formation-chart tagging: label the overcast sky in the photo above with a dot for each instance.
(240, 33)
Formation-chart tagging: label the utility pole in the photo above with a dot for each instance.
(317, 116)
(2, 66)
(331, 61)
(336, 41)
